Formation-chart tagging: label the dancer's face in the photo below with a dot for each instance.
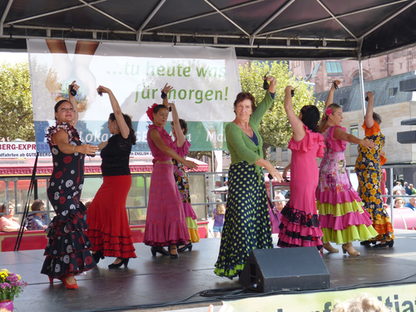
(243, 110)
(65, 113)
(161, 117)
(113, 127)
(336, 116)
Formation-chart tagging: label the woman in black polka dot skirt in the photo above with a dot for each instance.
(247, 221)
(67, 252)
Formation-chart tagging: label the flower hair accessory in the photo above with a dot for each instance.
(149, 111)
(328, 111)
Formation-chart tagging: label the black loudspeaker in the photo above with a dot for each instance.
(298, 268)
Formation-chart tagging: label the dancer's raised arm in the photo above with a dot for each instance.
(330, 98)
(294, 120)
(179, 135)
(118, 114)
(368, 119)
(73, 101)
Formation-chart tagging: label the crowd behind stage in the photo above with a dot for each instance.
(324, 210)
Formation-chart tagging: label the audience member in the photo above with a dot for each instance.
(399, 202)
(398, 189)
(36, 220)
(412, 203)
(7, 222)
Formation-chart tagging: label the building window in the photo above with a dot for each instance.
(392, 92)
(354, 147)
(354, 131)
(333, 67)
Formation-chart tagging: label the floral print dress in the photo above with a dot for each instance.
(341, 212)
(67, 251)
(369, 173)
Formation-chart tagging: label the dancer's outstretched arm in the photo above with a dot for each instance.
(160, 144)
(340, 134)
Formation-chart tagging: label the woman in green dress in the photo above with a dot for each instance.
(247, 222)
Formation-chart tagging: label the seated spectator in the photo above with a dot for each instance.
(407, 189)
(399, 202)
(412, 203)
(7, 222)
(412, 190)
(36, 219)
(398, 188)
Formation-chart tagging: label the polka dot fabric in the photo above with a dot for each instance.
(247, 221)
(67, 251)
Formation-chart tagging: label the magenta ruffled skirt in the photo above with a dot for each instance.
(165, 221)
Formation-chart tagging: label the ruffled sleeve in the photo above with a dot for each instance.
(184, 149)
(72, 132)
(374, 130)
(334, 144)
(164, 135)
(309, 141)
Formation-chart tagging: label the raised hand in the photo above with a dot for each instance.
(288, 90)
(73, 88)
(370, 95)
(102, 89)
(166, 89)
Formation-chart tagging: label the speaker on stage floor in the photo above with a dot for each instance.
(297, 268)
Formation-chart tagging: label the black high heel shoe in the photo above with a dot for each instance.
(158, 249)
(366, 243)
(173, 255)
(185, 247)
(97, 256)
(389, 244)
(124, 261)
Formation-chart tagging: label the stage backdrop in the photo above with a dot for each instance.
(205, 82)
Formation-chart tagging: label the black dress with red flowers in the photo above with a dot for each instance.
(67, 251)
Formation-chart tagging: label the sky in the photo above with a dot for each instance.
(13, 57)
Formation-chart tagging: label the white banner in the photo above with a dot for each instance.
(205, 82)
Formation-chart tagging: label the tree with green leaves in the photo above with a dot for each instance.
(16, 114)
(275, 128)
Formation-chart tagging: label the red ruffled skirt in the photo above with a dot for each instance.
(108, 224)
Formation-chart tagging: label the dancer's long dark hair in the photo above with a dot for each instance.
(310, 117)
(127, 119)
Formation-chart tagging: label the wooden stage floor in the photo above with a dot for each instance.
(160, 282)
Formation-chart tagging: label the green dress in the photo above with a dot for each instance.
(247, 221)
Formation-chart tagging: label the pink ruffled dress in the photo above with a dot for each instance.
(299, 218)
(165, 220)
(341, 212)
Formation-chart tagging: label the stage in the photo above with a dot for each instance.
(162, 283)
